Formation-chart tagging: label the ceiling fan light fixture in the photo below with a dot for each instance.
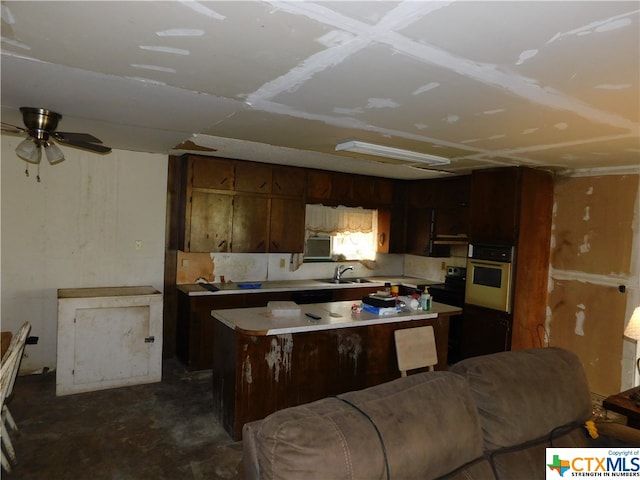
(54, 154)
(29, 151)
(391, 152)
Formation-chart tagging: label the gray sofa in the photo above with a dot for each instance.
(489, 417)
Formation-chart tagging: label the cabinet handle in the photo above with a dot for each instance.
(275, 244)
(150, 339)
(263, 185)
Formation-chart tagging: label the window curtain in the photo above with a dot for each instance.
(322, 220)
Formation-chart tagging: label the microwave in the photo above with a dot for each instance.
(318, 248)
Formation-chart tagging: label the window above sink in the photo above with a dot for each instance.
(340, 233)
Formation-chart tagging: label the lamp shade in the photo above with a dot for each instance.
(54, 154)
(29, 151)
(633, 327)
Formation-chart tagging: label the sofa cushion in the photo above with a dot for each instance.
(427, 422)
(525, 395)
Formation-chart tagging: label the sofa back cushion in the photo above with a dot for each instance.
(525, 395)
(427, 422)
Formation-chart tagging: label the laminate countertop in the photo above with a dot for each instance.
(196, 289)
(259, 321)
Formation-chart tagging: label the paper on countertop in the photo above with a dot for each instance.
(283, 308)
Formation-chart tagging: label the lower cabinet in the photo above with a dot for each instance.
(484, 331)
(194, 327)
(108, 337)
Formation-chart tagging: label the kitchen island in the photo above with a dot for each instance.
(263, 363)
(194, 324)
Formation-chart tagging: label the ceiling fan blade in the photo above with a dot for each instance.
(87, 146)
(12, 129)
(75, 137)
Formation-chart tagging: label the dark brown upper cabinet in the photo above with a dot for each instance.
(226, 205)
(252, 177)
(342, 189)
(208, 227)
(250, 228)
(286, 227)
(437, 215)
(289, 181)
(319, 185)
(214, 173)
(495, 203)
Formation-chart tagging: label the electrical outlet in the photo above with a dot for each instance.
(282, 263)
(138, 244)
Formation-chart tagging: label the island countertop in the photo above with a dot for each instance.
(260, 322)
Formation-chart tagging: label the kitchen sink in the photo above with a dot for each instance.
(344, 280)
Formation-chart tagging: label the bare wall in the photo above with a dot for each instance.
(594, 250)
(77, 228)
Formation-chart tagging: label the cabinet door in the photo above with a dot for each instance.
(289, 181)
(319, 184)
(342, 189)
(287, 225)
(363, 191)
(352, 293)
(383, 191)
(418, 230)
(452, 192)
(213, 173)
(210, 222)
(494, 206)
(452, 220)
(250, 224)
(110, 344)
(253, 177)
(422, 194)
(194, 335)
(384, 230)
(484, 331)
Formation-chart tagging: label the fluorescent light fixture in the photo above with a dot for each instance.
(391, 152)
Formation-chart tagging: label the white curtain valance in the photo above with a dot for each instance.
(335, 220)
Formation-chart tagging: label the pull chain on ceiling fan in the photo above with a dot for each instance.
(40, 128)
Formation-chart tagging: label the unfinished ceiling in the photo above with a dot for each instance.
(548, 84)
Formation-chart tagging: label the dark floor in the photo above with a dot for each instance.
(158, 431)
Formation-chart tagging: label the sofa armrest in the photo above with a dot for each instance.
(250, 451)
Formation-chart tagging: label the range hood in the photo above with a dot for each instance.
(451, 239)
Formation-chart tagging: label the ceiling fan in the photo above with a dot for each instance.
(40, 128)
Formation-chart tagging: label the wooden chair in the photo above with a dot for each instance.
(8, 374)
(415, 348)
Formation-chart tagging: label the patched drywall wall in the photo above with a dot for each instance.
(594, 250)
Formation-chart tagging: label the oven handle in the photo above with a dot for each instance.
(487, 264)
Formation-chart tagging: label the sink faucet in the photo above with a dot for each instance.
(340, 269)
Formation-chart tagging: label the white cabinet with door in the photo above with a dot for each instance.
(108, 337)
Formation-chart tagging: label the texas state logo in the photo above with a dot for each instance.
(592, 462)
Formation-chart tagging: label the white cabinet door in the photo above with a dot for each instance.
(108, 341)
